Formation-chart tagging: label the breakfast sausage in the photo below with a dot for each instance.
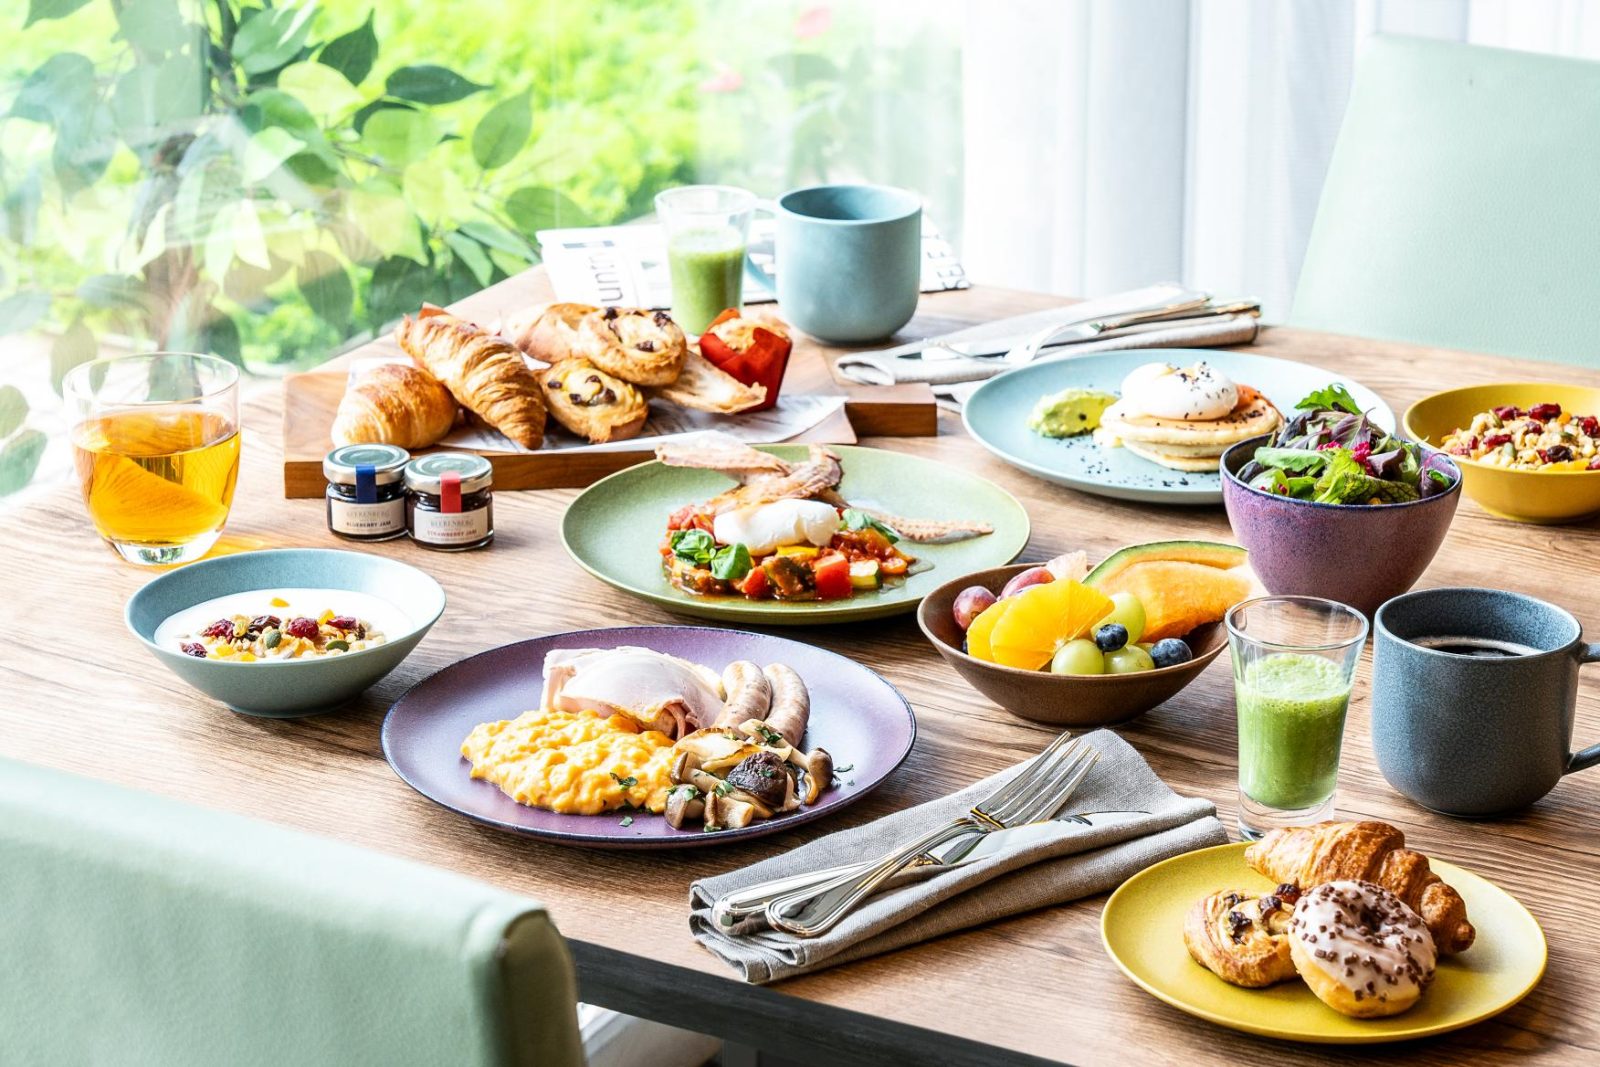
(748, 693)
(791, 704)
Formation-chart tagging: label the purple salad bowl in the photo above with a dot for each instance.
(1357, 554)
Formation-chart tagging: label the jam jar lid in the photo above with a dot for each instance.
(423, 474)
(388, 463)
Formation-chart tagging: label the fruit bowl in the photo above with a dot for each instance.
(1058, 699)
(1542, 496)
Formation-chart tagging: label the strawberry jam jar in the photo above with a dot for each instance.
(449, 505)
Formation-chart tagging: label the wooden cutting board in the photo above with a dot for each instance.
(310, 400)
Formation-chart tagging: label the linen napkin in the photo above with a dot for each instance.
(877, 368)
(1068, 862)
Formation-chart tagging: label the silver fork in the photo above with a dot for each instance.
(1035, 794)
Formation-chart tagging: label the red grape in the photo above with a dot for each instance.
(1031, 576)
(970, 603)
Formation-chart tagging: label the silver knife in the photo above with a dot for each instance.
(744, 910)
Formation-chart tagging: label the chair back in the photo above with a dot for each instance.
(139, 930)
(1462, 204)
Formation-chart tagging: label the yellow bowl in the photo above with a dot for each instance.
(1524, 496)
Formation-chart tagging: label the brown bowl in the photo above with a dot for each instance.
(1058, 699)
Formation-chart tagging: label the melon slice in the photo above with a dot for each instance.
(1178, 595)
(1203, 553)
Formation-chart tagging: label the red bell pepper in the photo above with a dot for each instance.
(755, 353)
(832, 574)
(754, 585)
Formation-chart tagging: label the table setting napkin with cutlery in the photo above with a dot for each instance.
(1158, 316)
(1134, 820)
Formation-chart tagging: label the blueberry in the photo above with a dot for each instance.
(1111, 636)
(1170, 652)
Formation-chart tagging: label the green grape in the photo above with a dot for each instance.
(1126, 609)
(1078, 657)
(1129, 660)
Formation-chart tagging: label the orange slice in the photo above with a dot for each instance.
(1043, 618)
(978, 633)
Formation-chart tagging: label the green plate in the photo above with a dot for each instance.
(614, 531)
(1142, 927)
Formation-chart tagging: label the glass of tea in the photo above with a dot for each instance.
(155, 439)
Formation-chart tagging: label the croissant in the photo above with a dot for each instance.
(1370, 852)
(486, 374)
(394, 404)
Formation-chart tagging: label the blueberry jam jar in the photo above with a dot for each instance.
(449, 505)
(366, 491)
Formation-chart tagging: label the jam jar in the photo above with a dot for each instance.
(366, 491)
(449, 505)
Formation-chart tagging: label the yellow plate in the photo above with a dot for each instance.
(1143, 931)
(1525, 496)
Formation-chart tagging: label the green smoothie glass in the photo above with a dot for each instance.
(1294, 661)
(707, 227)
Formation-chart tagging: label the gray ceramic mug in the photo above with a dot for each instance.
(848, 260)
(1468, 735)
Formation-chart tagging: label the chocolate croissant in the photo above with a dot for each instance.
(394, 404)
(1374, 852)
(486, 374)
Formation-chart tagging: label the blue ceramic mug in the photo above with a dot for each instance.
(1474, 693)
(848, 260)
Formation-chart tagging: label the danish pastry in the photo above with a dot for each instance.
(548, 331)
(1362, 951)
(588, 401)
(637, 345)
(1242, 939)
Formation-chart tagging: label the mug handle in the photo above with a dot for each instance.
(1583, 760)
(762, 274)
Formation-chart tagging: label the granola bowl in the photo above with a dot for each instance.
(1555, 493)
(312, 629)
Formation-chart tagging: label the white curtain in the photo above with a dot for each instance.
(1112, 143)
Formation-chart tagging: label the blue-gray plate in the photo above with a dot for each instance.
(996, 415)
(288, 688)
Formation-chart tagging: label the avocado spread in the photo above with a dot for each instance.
(1069, 412)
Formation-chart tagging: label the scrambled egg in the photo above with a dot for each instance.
(573, 763)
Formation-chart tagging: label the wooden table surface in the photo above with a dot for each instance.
(1038, 988)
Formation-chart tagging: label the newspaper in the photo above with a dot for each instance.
(627, 265)
(790, 417)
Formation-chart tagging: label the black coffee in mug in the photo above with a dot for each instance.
(1482, 647)
(1474, 697)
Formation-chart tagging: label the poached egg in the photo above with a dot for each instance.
(763, 528)
(1200, 393)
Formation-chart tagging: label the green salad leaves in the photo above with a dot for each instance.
(1332, 453)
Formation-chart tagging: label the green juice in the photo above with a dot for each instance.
(1291, 721)
(707, 268)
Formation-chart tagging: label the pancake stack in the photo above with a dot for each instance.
(1187, 444)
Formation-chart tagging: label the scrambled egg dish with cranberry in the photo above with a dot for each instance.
(573, 763)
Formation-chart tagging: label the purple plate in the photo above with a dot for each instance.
(862, 720)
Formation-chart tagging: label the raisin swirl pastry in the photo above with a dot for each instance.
(1361, 949)
(1243, 939)
(635, 344)
(588, 401)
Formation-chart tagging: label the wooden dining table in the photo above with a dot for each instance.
(77, 692)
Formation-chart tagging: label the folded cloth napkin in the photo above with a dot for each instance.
(876, 368)
(1068, 862)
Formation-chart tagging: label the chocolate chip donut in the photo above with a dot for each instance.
(1362, 951)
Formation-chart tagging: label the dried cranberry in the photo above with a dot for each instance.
(1495, 440)
(1594, 464)
(1590, 425)
(302, 627)
(348, 624)
(222, 628)
(1506, 414)
(193, 648)
(1459, 450)
(1544, 412)
(1555, 454)
(265, 622)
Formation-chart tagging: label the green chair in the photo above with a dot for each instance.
(138, 930)
(1462, 204)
